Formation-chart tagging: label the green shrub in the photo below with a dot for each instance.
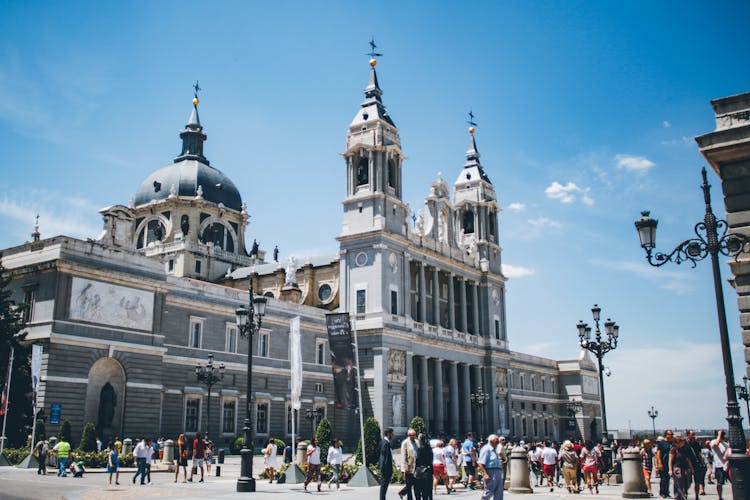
(88, 438)
(237, 445)
(372, 440)
(280, 445)
(65, 431)
(15, 455)
(419, 425)
(41, 431)
(324, 433)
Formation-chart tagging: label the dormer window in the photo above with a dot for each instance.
(217, 234)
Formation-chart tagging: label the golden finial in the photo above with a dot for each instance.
(471, 130)
(195, 101)
(373, 62)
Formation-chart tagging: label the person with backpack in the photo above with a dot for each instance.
(199, 456)
(40, 451)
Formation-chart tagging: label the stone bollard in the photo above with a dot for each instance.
(519, 475)
(301, 455)
(127, 446)
(168, 456)
(632, 475)
(51, 457)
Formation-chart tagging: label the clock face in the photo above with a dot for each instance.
(361, 259)
(324, 292)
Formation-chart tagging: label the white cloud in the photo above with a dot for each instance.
(542, 222)
(516, 207)
(634, 163)
(683, 141)
(678, 282)
(517, 271)
(666, 124)
(568, 193)
(58, 215)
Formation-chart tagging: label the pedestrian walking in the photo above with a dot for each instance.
(663, 447)
(680, 467)
(209, 456)
(409, 448)
(696, 460)
(140, 452)
(450, 451)
(590, 459)
(269, 459)
(469, 457)
(438, 466)
(548, 458)
(62, 450)
(385, 462)
(181, 458)
(113, 463)
(423, 470)
(40, 451)
(199, 456)
(335, 459)
(647, 457)
(149, 460)
(719, 452)
(569, 464)
(313, 463)
(490, 465)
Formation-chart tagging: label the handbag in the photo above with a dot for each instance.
(421, 471)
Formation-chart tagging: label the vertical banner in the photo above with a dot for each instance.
(342, 358)
(36, 371)
(296, 363)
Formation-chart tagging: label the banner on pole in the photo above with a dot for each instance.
(296, 362)
(36, 371)
(342, 358)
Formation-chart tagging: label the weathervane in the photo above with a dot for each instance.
(372, 52)
(471, 122)
(197, 88)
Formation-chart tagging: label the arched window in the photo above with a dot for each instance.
(467, 221)
(392, 173)
(153, 232)
(363, 172)
(218, 235)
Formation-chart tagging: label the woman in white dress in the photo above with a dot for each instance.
(269, 460)
(450, 453)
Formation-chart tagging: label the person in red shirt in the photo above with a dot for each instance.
(199, 455)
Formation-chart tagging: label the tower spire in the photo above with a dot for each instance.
(372, 106)
(472, 154)
(193, 135)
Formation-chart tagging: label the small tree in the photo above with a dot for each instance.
(65, 430)
(88, 438)
(324, 433)
(418, 424)
(41, 432)
(372, 440)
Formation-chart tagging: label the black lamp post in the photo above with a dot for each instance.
(248, 322)
(599, 347)
(653, 414)
(743, 393)
(209, 375)
(710, 242)
(478, 400)
(312, 415)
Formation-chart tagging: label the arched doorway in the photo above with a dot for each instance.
(105, 397)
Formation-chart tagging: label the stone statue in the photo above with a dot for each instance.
(107, 403)
(276, 253)
(185, 224)
(254, 250)
(290, 270)
(501, 376)
(173, 191)
(398, 420)
(396, 364)
(442, 227)
(199, 192)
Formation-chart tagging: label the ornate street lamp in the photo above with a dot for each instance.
(248, 322)
(209, 375)
(478, 400)
(710, 242)
(573, 408)
(743, 393)
(313, 415)
(653, 414)
(599, 347)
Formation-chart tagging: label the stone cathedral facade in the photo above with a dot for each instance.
(125, 318)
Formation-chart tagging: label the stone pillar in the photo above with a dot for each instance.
(477, 387)
(451, 303)
(407, 287)
(422, 294)
(632, 475)
(439, 424)
(455, 398)
(462, 298)
(380, 392)
(409, 387)
(519, 471)
(492, 403)
(466, 400)
(436, 296)
(127, 446)
(301, 454)
(475, 307)
(424, 392)
(168, 451)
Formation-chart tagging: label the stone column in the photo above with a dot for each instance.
(436, 296)
(462, 298)
(475, 307)
(409, 386)
(632, 475)
(380, 388)
(407, 286)
(439, 424)
(492, 403)
(422, 294)
(424, 392)
(451, 303)
(519, 471)
(477, 387)
(455, 398)
(466, 399)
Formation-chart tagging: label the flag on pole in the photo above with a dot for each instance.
(296, 362)
(36, 371)
(342, 359)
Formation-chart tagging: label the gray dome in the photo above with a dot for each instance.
(186, 176)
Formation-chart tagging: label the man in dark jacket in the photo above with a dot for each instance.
(385, 462)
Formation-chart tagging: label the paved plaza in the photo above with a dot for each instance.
(25, 484)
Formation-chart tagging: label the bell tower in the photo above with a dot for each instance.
(373, 167)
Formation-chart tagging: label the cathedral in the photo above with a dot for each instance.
(124, 319)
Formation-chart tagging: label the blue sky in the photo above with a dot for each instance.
(586, 111)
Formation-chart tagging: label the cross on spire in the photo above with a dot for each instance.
(372, 52)
(471, 121)
(197, 88)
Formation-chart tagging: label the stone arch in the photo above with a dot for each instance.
(105, 397)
